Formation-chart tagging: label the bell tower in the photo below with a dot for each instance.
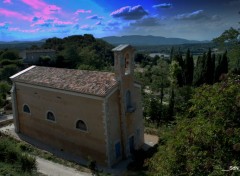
(124, 71)
(123, 61)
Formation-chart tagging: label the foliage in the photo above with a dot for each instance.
(79, 51)
(189, 68)
(9, 54)
(205, 140)
(11, 154)
(229, 35)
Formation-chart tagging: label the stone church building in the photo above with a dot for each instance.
(87, 113)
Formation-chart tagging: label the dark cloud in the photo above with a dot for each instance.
(149, 21)
(196, 16)
(130, 13)
(94, 17)
(61, 25)
(113, 23)
(35, 19)
(163, 6)
(46, 25)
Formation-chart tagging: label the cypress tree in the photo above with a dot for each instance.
(198, 73)
(218, 69)
(222, 67)
(180, 76)
(189, 68)
(210, 67)
(171, 105)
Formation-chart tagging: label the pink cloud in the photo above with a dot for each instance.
(94, 17)
(14, 14)
(36, 4)
(86, 27)
(82, 11)
(62, 22)
(2, 24)
(7, 1)
(46, 9)
(51, 21)
(25, 30)
(98, 23)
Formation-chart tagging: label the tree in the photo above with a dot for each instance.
(229, 40)
(205, 140)
(189, 68)
(222, 67)
(9, 54)
(175, 69)
(210, 68)
(4, 89)
(198, 73)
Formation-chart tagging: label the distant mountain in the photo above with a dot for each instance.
(139, 40)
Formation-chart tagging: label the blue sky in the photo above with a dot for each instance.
(190, 19)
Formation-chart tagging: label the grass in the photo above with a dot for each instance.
(13, 160)
(24, 148)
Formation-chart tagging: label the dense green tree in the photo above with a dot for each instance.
(4, 89)
(222, 66)
(152, 109)
(8, 71)
(229, 40)
(180, 76)
(210, 68)
(189, 68)
(9, 54)
(205, 140)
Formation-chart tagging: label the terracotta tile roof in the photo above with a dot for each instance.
(82, 81)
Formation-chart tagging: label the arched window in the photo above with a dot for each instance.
(81, 125)
(50, 116)
(129, 105)
(127, 64)
(26, 109)
(128, 99)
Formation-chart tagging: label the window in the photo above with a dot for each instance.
(128, 99)
(118, 150)
(131, 144)
(50, 116)
(127, 64)
(129, 105)
(81, 125)
(26, 109)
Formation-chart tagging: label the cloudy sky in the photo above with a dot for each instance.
(190, 19)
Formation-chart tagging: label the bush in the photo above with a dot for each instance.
(28, 163)
(205, 140)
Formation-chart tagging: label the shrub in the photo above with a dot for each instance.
(28, 163)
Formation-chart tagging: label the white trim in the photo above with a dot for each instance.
(28, 108)
(60, 91)
(112, 92)
(21, 72)
(15, 108)
(53, 121)
(78, 129)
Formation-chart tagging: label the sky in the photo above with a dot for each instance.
(189, 19)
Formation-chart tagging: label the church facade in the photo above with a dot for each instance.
(87, 113)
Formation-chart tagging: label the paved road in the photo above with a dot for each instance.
(54, 169)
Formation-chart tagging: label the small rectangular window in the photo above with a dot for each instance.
(118, 150)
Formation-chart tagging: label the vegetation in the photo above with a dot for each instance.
(15, 160)
(79, 52)
(205, 139)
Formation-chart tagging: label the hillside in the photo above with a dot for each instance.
(138, 40)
